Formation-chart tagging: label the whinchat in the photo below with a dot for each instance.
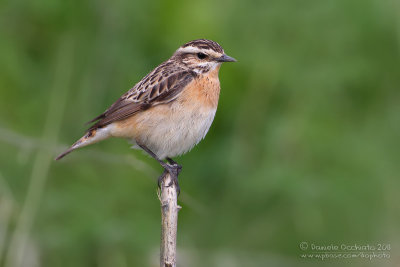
(170, 110)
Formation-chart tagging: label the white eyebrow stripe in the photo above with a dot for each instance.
(195, 50)
(192, 49)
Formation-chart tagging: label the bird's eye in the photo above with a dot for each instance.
(201, 55)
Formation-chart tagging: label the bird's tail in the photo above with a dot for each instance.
(91, 137)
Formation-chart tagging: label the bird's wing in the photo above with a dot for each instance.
(160, 86)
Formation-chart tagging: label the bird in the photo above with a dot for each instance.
(170, 110)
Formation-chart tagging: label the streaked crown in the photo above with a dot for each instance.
(204, 44)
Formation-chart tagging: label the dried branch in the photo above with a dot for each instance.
(169, 220)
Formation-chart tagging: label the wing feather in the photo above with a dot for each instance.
(160, 86)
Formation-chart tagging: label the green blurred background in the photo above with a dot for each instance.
(304, 147)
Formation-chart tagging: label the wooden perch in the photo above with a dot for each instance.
(168, 196)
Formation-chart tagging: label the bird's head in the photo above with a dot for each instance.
(202, 55)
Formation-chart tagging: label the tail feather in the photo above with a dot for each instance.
(69, 150)
(91, 137)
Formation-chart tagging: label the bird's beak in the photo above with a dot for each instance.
(226, 58)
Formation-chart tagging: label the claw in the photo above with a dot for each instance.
(174, 170)
(160, 179)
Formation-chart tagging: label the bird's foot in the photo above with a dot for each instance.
(173, 169)
(173, 162)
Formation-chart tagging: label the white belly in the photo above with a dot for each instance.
(175, 131)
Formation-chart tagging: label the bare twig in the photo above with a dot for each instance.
(169, 221)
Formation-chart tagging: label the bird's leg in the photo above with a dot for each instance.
(173, 168)
(151, 153)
